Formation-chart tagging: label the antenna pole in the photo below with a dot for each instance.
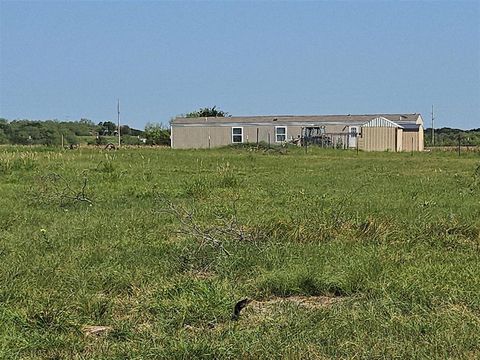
(118, 121)
(433, 128)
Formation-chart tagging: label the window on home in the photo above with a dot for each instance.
(280, 133)
(237, 135)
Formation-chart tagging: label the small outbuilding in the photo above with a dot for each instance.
(376, 132)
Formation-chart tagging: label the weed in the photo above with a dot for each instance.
(18, 161)
(226, 176)
(197, 188)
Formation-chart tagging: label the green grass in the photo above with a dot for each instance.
(395, 237)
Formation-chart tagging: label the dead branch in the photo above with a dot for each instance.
(190, 227)
(57, 186)
(225, 228)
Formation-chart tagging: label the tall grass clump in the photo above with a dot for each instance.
(17, 161)
(226, 176)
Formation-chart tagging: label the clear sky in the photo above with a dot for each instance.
(72, 60)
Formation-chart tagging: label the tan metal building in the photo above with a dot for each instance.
(376, 132)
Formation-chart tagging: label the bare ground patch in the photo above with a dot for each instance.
(308, 302)
(257, 310)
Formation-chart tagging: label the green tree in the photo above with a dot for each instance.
(50, 136)
(3, 137)
(4, 129)
(125, 130)
(449, 137)
(107, 128)
(156, 134)
(70, 139)
(207, 112)
(87, 122)
(50, 132)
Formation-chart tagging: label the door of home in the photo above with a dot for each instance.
(352, 136)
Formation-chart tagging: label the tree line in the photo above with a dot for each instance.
(53, 132)
(451, 137)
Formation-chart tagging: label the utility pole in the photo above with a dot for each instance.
(118, 121)
(433, 128)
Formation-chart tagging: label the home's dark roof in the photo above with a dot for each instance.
(296, 119)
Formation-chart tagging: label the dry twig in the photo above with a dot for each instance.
(63, 190)
(225, 228)
(192, 228)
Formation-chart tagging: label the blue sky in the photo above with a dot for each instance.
(72, 60)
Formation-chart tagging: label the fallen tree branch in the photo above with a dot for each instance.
(56, 186)
(225, 227)
(190, 227)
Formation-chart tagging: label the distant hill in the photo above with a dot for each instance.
(50, 132)
(449, 137)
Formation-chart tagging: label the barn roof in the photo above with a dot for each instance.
(381, 122)
(301, 120)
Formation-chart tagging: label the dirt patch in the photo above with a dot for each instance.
(96, 330)
(308, 302)
(201, 274)
(258, 311)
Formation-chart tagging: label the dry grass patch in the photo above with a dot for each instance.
(96, 330)
(257, 311)
(201, 274)
(306, 302)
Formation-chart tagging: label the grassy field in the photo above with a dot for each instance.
(375, 255)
